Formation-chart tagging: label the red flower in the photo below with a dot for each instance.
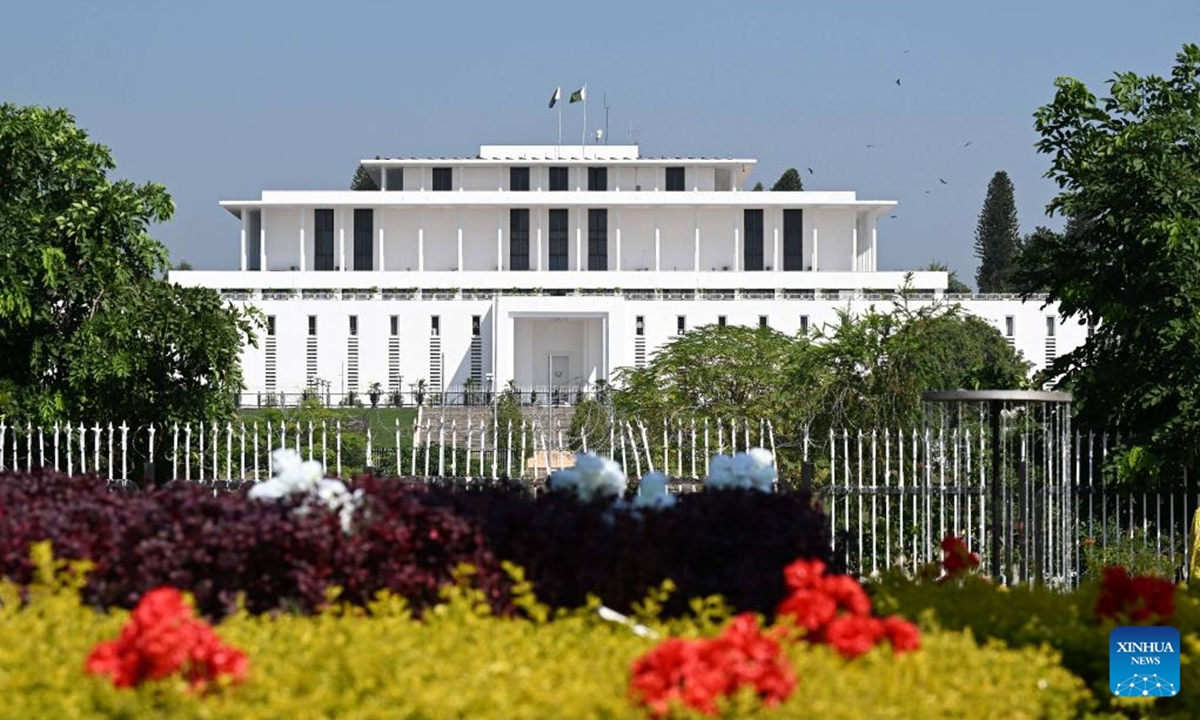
(803, 574)
(1139, 599)
(903, 635)
(162, 638)
(696, 673)
(957, 558)
(853, 635)
(810, 609)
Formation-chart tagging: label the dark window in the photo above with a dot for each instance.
(720, 321)
(312, 324)
(475, 325)
(597, 239)
(804, 324)
(674, 179)
(395, 325)
(353, 324)
(558, 178)
(752, 249)
(1050, 326)
(793, 239)
(270, 324)
(762, 321)
(640, 326)
(518, 239)
(394, 178)
(518, 178)
(1010, 326)
(443, 179)
(364, 226)
(435, 325)
(558, 240)
(323, 239)
(254, 240)
(680, 324)
(598, 179)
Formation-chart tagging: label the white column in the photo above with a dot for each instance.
(775, 264)
(579, 240)
(539, 239)
(815, 256)
(421, 240)
(604, 363)
(262, 243)
(303, 224)
(499, 240)
(618, 267)
(657, 244)
(381, 264)
(341, 238)
(243, 238)
(737, 246)
(459, 235)
(874, 249)
(854, 246)
(696, 244)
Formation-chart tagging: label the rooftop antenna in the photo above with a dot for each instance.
(605, 120)
(633, 133)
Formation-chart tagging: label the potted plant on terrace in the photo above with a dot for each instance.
(374, 392)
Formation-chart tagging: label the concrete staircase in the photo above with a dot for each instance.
(455, 419)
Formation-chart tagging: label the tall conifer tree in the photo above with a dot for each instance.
(997, 236)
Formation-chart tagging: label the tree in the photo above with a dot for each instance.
(789, 181)
(954, 285)
(184, 265)
(997, 236)
(88, 329)
(1129, 262)
(363, 180)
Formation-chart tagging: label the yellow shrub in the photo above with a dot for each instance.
(460, 661)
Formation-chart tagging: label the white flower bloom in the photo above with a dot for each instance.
(591, 477)
(268, 490)
(296, 477)
(652, 492)
(753, 470)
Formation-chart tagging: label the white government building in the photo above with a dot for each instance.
(550, 267)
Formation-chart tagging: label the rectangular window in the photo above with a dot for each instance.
(364, 226)
(443, 178)
(1010, 326)
(721, 321)
(558, 178)
(597, 239)
(270, 324)
(353, 325)
(793, 239)
(323, 239)
(395, 325)
(393, 179)
(1050, 325)
(254, 240)
(518, 239)
(312, 324)
(804, 324)
(640, 325)
(558, 240)
(675, 179)
(762, 321)
(475, 325)
(435, 325)
(598, 179)
(680, 324)
(518, 178)
(752, 246)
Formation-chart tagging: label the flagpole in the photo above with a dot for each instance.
(583, 135)
(558, 148)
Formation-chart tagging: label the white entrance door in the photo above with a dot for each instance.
(560, 375)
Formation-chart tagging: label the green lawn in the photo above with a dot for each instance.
(382, 421)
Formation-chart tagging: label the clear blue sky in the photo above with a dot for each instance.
(219, 100)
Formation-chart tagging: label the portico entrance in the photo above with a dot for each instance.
(558, 357)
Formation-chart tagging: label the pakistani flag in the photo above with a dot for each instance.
(556, 96)
(579, 95)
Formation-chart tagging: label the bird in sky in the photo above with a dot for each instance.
(893, 217)
(943, 181)
(968, 144)
(897, 82)
(869, 145)
(906, 52)
(810, 172)
(927, 192)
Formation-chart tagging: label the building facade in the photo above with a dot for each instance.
(549, 267)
